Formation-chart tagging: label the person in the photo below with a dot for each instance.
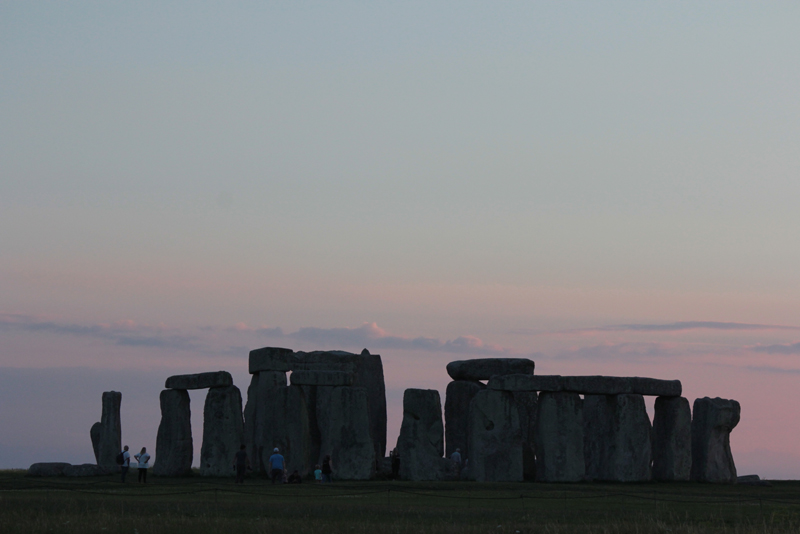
(326, 468)
(126, 463)
(295, 477)
(277, 464)
(317, 474)
(395, 464)
(456, 457)
(241, 463)
(143, 458)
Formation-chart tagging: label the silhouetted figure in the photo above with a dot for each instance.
(318, 474)
(241, 463)
(395, 464)
(126, 463)
(277, 464)
(327, 469)
(295, 478)
(143, 458)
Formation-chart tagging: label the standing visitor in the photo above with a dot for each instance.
(143, 458)
(318, 474)
(277, 464)
(326, 469)
(456, 457)
(126, 463)
(241, 464)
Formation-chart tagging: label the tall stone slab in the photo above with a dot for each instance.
(174, 446)
(712, 423)
(223, 430)
(617, 438)
(280, 419)
(526, 402)
(495, 438)
(106, 435)
(421, 441)
(559, 437)
(458, 396)
(261, 379)
(672, 439)
(343, 421)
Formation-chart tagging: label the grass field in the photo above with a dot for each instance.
(197, 505)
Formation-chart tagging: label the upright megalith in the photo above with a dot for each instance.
(486, 368)
(174, 446)
(495, 438)
(223, 431)
(421, 441)
(712, 423)
(672, 439)
(617, 438)
(106, 435)
(458, 396)
(343, 421)
(559, 437)
(526, 402)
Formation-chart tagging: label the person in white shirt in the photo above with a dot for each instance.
(126, 463)
(142, 458)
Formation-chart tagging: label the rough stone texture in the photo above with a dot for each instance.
(343, 419)
(85, 470)
(672, 439)
(174, 446)
(322, 378)
(47, 469)
(223, 430)
(106, 435)
(495, 438)
(216, 379)
(712, 423)
(271, 359)
(421, 441)
(559, 437)
(617, 438)
(527, 382)
(526, 402)
(456, 415)
(486, 368)
(587, 385)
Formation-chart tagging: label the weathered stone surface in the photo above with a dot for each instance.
(617, 438)
(495, 438)
(526, 402)
(421, 440)
(322, 378)
(343, 419)
(672, 439)
(85, 470)
(223, 430)
(712, 423)
(559, 437)
(456, 415)
(47, 469)
(587, 385)
(271, 359)
(752, 480)
(526, 382)
(174, 445)
(107, 434)
(216, 379)
(486, 368)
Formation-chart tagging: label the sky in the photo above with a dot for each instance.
(605, 188)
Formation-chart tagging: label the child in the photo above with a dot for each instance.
(318, 474)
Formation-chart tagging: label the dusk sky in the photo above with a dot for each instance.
(604, 187)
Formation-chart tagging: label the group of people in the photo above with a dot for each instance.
(277, 468)
(142, 459)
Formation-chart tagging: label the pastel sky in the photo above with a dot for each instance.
(605, 187)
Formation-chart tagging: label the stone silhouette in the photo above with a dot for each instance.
(559, 437)
(672, 439)
(712, 423)
(421, 440)
(486, 368)
(223, 430)
(458, 397)
(495, 438)
(174, 447)
(107, 434)
(343, 421)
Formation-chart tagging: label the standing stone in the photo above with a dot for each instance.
(107, 434)
(486, 368)
(223, 430)
(495, 438)
(617, 438)
(456, 415)
(260, 379)
(559, 437)
(712, 423)
(281, 420)
(421, 441)
(174, 446)
(343, 419)
(672, 439)
(527, 407)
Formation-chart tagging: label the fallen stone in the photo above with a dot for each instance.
(223, 430)
(106, 435)
(321, 378)
(456, 415)
(343, 419)
(47, 469)
(559, 438)
(495, 438)
(85, 470)
(174, 444)
(672, 439)
(271, 359)
(587, 385)
(752, 480)
(486, 368)
(712, 423)
(526, 402)
(421, 441)
(216, 379)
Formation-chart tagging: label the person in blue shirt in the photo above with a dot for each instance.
(277, 464)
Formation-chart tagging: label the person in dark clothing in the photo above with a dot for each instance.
(395, 464)
(295, 478)
(241, 463)
(326, 469)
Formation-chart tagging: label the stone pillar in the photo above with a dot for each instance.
(559, 437)
(527, 408)
(421, 441)
(281, 421)
(712, 423)
(107, 434)
(223, 430)
(495, 438)
(344, 427)
(174, 446)
(262, 379)
(456, 415)
(672, 439)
